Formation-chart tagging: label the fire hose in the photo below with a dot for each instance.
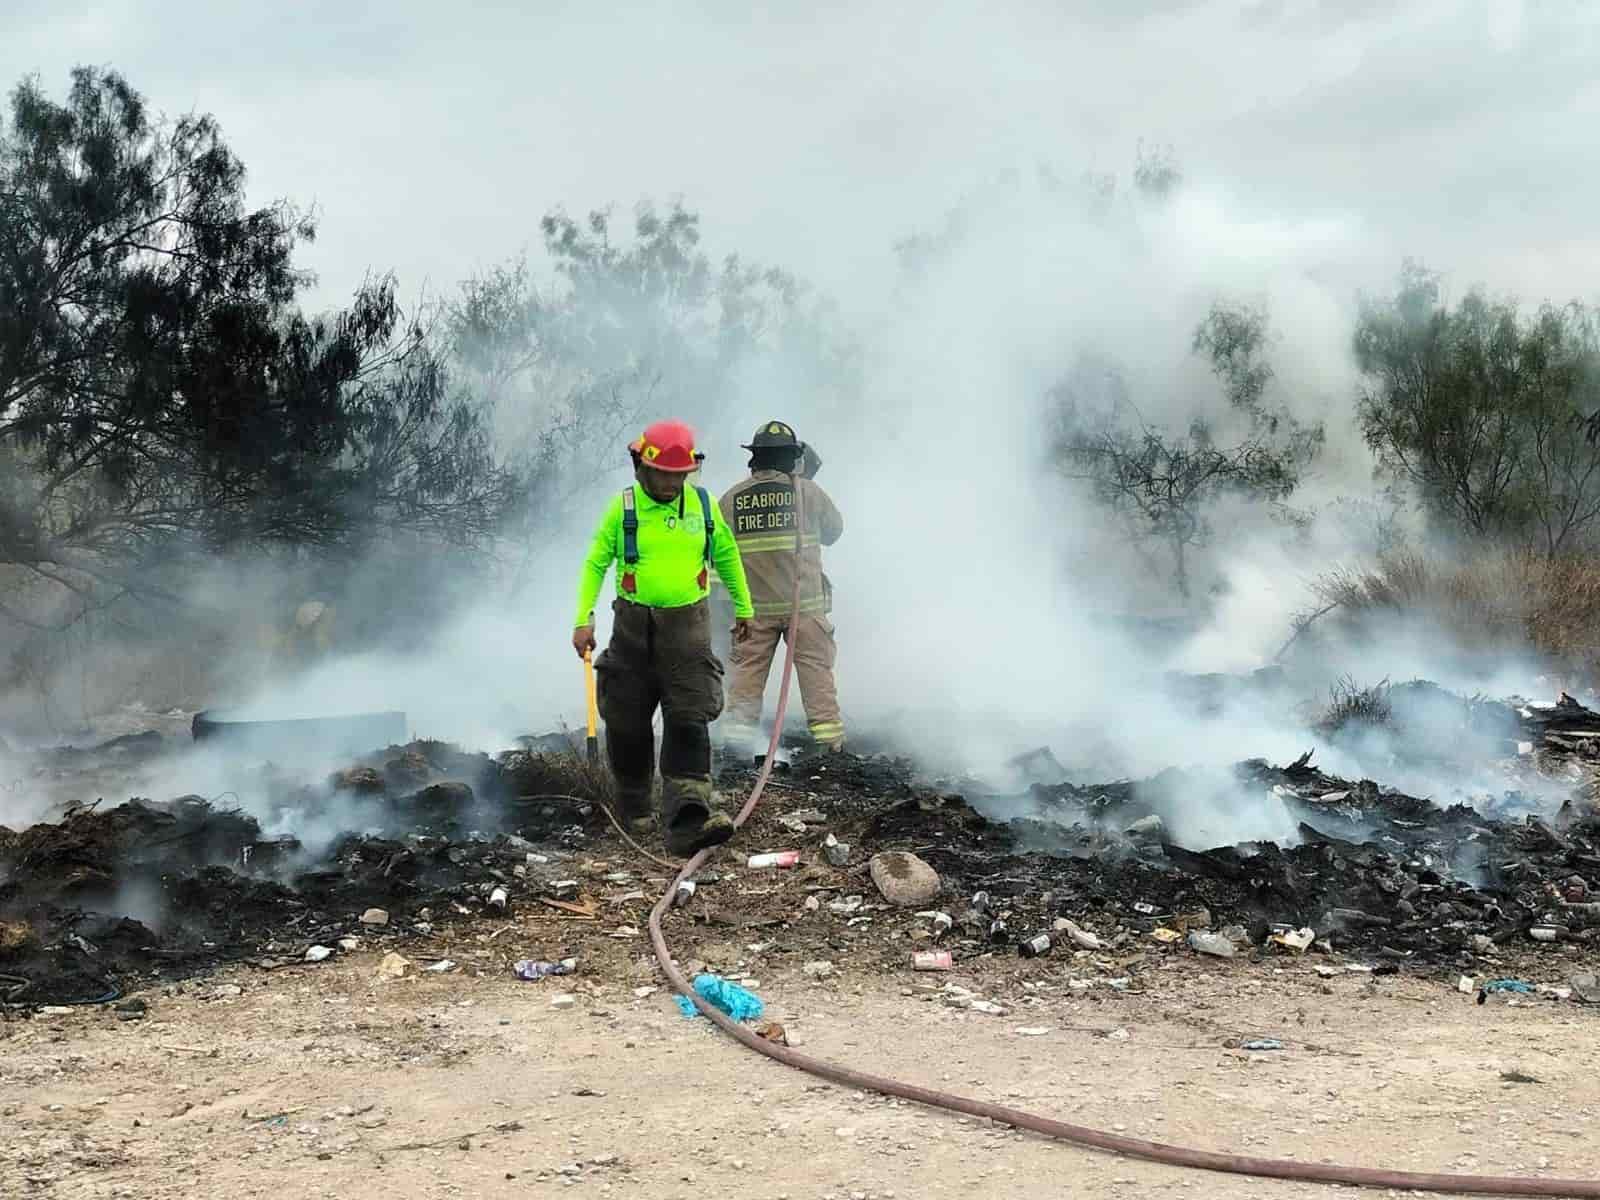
(1182, 1156)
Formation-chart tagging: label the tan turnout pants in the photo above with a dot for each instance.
(750, 662)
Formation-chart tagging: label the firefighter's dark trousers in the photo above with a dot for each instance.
(660, 657)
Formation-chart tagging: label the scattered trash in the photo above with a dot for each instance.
(497, 898)
(1078, 937)
(317, 953)
(684, 894)
(903, 879)
(793, 825)
(1261, 1044)
(348, 944)
(563, 1000)
(1038, 944)
(988, 1007)
(778, 858)
(1117, 1035)
(1298, 940)
(1148, 910)
(394, 966)
(998, 930)
(810, 816)
(836, 853)
(932, 960)
(1166, 936)
(1033, 1030)
(531, 969)
(375, 916)
(1546, 933)
(564, 889)
(845, 906)
(819, 969)
(1214, 944)
(441, 967)
(644, 993)
(724, 995)
(1503, 985)
(1466, 985)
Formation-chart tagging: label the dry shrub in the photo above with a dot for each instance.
(1350, 704)
(1514, 600)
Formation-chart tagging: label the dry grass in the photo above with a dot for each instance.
(1498, 599)
(1349, 704)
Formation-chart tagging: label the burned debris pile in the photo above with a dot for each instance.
(110, 895)
(412, 840)
(1366, 868)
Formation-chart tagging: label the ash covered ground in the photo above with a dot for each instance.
(116, 895)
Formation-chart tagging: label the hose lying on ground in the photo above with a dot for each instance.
(1210, 1160)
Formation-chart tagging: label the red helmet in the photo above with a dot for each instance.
(668, 446)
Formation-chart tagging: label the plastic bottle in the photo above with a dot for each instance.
(530, 969)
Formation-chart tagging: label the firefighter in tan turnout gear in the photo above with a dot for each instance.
(760, 511)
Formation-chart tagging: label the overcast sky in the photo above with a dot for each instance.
(433, 135)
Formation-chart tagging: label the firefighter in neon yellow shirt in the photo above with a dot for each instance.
(665, 538)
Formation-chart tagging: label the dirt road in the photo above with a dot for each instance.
(322, 1081)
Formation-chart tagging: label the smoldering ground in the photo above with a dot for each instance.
(983, 601)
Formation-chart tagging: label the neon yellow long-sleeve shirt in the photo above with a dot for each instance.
(672, 545)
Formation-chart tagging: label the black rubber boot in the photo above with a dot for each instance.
(690, 816)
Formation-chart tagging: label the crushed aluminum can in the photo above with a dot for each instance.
(778, 858)
(564, 889)
(932, 960)
(497, 898)
(684, 894)
(998, 931)
(1148, 910)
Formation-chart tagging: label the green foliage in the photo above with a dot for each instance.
(160, 392)
(1486, 411)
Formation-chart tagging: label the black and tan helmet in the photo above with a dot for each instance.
(774, 435)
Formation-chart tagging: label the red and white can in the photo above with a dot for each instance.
(932, 960)
(778, 858)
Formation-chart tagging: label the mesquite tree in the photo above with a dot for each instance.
(162, 395)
